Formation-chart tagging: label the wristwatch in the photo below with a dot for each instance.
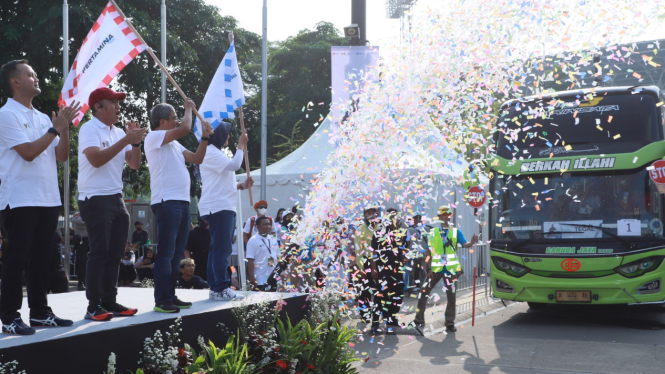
(204, 138)
(53, 131)
(136, 145)
(240, 187)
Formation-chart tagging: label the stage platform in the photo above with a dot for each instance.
(85, 346)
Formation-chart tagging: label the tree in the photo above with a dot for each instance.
(299, 70)
(197, 39)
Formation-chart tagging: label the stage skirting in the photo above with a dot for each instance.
(86, 346)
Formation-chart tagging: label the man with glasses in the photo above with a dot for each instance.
(170, 195)
(442, 263)
(250, 229)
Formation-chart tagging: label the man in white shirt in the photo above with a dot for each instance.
(103, 151)
(170, 196)
(219, 196)
(262, 254)
(250, 229)
(30, 201)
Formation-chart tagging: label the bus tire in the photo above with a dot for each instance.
(536, 306)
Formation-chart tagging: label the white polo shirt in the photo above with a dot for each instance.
(106, 179)
(25, 183)
(264, 251)
(169, 178)
(219, 190)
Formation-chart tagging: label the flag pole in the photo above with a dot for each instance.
(242, 129)
(65, 174)
(154, 57)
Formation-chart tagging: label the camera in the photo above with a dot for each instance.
(352, 31)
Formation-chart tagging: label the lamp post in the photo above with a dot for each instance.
(163, 50)
(264, 100)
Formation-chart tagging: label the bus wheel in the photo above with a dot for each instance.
(536, 306)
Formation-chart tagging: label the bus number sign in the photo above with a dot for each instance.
(657, 172)
(476, 196)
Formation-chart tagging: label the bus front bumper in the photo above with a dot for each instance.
(613, 289)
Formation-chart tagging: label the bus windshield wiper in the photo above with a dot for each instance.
(626, 244)
(539, 235)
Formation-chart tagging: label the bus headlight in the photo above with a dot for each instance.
(509, 267)
(639, 267)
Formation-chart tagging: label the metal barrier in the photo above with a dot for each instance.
(477, 256)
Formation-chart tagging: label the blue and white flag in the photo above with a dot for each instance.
(225, 93)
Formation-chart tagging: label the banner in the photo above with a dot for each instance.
(108, 48)
(350, 66)
(225, 93)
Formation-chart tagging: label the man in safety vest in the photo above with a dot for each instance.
(442, 263)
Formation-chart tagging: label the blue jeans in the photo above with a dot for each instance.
(172, 231)
(221, 224)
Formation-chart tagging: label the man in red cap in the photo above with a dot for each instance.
(250, 229)
(103, 151)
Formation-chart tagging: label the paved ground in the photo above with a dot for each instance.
(517, 340)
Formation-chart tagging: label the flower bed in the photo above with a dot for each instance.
(262, 344)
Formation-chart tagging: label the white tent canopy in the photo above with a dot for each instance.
(289, 179)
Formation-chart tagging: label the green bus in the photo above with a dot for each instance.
(575, 214)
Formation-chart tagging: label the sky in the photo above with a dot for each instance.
(287, 17)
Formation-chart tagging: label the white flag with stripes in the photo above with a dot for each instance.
(108, 48)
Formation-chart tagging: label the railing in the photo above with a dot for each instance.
(477, 256)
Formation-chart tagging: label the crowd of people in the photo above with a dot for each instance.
(370, 260)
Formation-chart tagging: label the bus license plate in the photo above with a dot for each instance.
(573, 296)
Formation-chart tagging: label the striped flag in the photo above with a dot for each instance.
(225, 93)
(108, 48)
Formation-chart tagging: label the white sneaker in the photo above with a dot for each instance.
(228, 295)
(211, 295)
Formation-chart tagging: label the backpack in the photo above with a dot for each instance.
(252, 221)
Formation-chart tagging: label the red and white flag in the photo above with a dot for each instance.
(107, 49)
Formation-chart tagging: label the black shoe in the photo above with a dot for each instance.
(119, 310)
(50, 320)
(419, 327)
(182, 304)
(81, 287)
(166, 308)
(17, 327)
(97, 313)
(451, 328)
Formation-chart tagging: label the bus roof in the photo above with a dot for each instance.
(572, 93)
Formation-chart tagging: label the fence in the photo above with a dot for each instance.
(477, 256)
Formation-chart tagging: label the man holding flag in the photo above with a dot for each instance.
(170, 186)
(103, 151)
(219, 192)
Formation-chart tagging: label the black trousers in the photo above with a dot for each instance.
(389, 293)
(82, 248)
(29, 242)
(107, 221)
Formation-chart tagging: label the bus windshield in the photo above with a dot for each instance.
(563, 207)
(599, 125)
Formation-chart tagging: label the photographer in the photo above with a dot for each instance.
(127, 272)
(145, 265)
